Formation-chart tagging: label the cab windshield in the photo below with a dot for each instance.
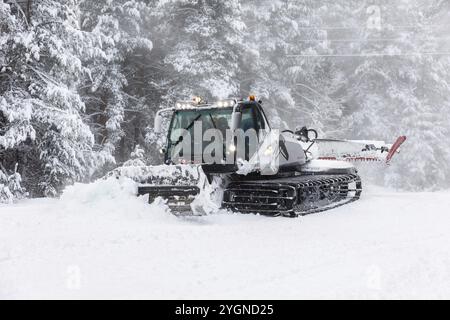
(209, 118)
(212, 118)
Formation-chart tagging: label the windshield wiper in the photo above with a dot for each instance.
(187, 128)
(212, 120)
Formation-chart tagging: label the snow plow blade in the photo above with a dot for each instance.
(179, 198)
(177, 185)
(358, 150)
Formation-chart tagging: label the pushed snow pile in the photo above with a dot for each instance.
(110, 196)
(104, 189)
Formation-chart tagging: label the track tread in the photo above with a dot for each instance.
(311, 190)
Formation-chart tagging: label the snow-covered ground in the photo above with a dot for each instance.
(99, 241)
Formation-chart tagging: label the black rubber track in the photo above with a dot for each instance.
(293, 196)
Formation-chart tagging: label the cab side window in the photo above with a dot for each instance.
(260, 123)
(247, 121)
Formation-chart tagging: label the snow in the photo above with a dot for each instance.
(318, 165)
(100, 241)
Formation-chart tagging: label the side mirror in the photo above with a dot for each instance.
(306, 135)
(158, 123)
(236, 118)
(312, 135)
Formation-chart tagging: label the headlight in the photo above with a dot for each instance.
(225, 103)
(197, 100)
(232, 148)
(268, 151)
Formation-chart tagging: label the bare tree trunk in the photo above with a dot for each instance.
(29, 3)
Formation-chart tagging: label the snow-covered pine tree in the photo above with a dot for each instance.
(114, 112)
(15, 101)
(137, 158)
(10, 186)
(282, 35)
(399, 87)
(40, 104)
(425, 164)
(204, 44)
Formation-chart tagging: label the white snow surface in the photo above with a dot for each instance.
(319, 165)
(100, 241)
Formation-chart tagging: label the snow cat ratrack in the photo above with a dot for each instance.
(225, 155)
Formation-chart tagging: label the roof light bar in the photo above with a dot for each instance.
(199, 102)
(226, 103)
